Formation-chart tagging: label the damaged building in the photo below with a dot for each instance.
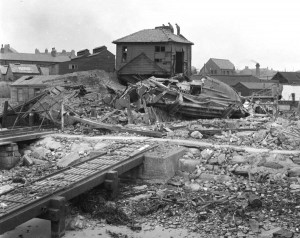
(155, 52)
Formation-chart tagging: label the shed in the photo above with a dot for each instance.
(251, 88)
(16, 71)
(28, 87)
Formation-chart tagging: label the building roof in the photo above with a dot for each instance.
(223, 63)
(289, 77)
(38, 80)
(258, 85)
(153, 36)
(234, 79)
(33, 57)
(3, 69)
(24, 69)
(264, 73)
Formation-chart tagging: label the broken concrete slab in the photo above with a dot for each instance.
(100, 146)
(294, 172)
(50, 143)
(83, 146)
(5, 188)
(188, 165)
(40, 152)
(68, 160)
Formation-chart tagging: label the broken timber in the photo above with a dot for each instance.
(100, 125)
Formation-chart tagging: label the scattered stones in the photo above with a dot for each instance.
(188, 165)
(206, 154)
(196, 135)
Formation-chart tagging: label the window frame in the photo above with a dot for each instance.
(124, 53)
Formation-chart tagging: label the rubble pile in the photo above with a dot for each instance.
(217, 192)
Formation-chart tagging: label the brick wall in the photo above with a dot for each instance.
(104, 60)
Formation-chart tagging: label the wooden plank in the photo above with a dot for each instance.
(100, 125)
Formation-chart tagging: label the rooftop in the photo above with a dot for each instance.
(33, 57)
(223, 63)
(234, 79)
(38, 80)
(258, 85)
(153, 35)
(290, 77)
(24, 68)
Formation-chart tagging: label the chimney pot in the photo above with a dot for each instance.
(171, 27)
(53, 52)
(178, 29)
(257, 70)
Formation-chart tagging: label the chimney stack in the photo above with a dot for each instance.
(46, 51)
(2, 49)
(171, 27)
(257, 70)
(53, 52)
(178, 29)
(37, 51)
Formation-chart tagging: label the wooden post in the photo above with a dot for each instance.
(62, 115)
(5, 109)
(58, 226)
(111, 183)
(56, 213)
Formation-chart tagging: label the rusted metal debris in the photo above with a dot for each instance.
(206, 98)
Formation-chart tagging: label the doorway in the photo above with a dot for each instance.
(179, 62)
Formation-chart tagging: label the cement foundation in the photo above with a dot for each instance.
(157, 168)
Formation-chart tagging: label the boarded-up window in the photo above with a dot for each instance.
(20, 95)
(37, 91)
(124, 53)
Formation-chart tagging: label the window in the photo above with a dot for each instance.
(160, 48)
(124, 53)
(37, 91)
(73, 66)
(158, 60)
(20, 95)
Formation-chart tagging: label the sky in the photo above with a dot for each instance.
(243, 31)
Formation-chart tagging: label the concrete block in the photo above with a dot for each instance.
(8, 162)
(162, 168)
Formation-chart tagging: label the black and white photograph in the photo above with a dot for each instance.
(149, 119)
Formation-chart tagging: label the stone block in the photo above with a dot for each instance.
(157, 167)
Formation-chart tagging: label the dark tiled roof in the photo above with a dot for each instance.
(234, 79)
(24, 68)
(33, 57)
(223, 63)
(258, 85)
(290, 77)
(153, 35)
(34, 80)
